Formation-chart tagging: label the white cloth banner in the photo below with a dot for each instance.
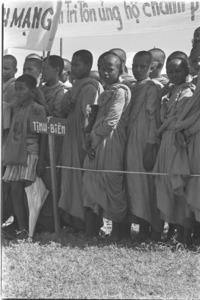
(91, 18)
(30, 24)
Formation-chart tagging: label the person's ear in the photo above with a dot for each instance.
(57, 70)
(159, 66)
(89, 66)
(16, 70)
(151, 68)
(187, 71)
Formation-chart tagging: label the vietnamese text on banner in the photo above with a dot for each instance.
(91, 18)
(31, 24)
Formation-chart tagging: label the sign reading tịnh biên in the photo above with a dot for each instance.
(48, 125)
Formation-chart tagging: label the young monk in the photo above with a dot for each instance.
(141, 149)
(9, 71)
(65, 77)
(125, 77)
(170, 189)
(104, 192)
(157, 65)
(196, 38)
(188, 131)
(193, 61)
(33, 67)
(85, 91)
(52, 92)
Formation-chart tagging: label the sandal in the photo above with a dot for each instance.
(22, 234)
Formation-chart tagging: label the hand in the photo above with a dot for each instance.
(41, 167)
(91, 153)
(39, 97)
(187, 133)
(88, 141)
(179, 140)
(149, 157)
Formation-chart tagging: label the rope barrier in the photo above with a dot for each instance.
(123, 172)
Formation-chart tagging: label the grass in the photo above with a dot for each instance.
(67, 265)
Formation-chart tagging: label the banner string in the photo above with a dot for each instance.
(124, 172)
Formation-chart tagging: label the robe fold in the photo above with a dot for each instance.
(84, 92)
(142, 130)
(173, 160)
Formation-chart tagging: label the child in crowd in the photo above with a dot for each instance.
(34, 55)
(104, 192)
(85, 91)
(189, 129)
(95, 74)
(125, 77)
(33, 66)
(157, 65)
(141, 149)
(196, 38)
(170, 189)
(52, 88)
(52, 92)
(9, 71)
(193, 61)
(23, 151)
(65, 77)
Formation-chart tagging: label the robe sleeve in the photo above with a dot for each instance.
(89, 95)
(194, 128)
(57, 104)
(153, 98)
(110, 121)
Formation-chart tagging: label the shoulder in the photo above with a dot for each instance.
(121, 89)
(92, 85)
(158, 83)
(38, 109)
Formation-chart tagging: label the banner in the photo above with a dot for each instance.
(91, 18)
(30, 24)
(33, 25)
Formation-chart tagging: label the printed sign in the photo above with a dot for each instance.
(34, 24)
(48, 125)
(30, 24)
(91, 18)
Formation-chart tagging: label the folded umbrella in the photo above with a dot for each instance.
(36, 196)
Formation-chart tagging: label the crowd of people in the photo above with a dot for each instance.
(130, 153)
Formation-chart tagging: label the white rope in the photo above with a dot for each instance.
(124, 172)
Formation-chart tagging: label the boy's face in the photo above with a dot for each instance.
(109, 69)
(176, 72)
(49, 72)
(79, 69)
(8, 70)
(196, 37)
(141, 67)
(31, 69)
(193, 59)
(155, 69)
(23, 92)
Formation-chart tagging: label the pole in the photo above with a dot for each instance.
(61, 41)
(44, 67)
(54, 181)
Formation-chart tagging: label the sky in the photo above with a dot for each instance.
(169, 41)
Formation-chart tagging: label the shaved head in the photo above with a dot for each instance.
(145, 54)
(158, 55)
(120, 52)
